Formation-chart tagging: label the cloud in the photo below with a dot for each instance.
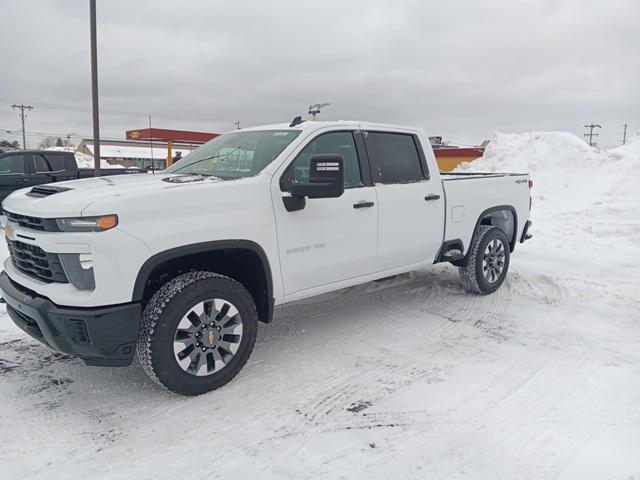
(461, 69)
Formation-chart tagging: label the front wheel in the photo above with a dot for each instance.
(488, 261)
(197, 332)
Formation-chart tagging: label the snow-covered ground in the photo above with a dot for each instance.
(408, 378)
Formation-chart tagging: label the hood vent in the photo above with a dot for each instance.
(45, 191)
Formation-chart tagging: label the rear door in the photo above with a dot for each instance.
(410, 203)
(331, 239)
(13, 174)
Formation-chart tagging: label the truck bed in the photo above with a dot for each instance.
(470, 196)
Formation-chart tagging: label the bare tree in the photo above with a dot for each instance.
(47, 142)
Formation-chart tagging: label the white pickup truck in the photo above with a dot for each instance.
(179, 267)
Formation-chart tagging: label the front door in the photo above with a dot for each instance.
(331, 239)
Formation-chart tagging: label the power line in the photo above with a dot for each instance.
(591, 127)
(116, 112)
(22, 107)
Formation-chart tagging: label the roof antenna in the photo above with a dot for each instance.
(296, 121)
(315, 109)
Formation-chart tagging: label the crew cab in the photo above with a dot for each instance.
(178, 267)
(24, 168)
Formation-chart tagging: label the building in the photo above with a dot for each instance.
(134, 153)
(147, 147)
(450, 156)
(174, 136)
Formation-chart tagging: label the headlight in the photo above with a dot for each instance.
(87, 224)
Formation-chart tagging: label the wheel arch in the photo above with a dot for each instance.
(490, 217)
(243, 260)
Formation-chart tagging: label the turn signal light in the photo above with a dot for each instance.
(105, 223)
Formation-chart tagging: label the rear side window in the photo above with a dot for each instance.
(48, 162)
(12, 164)
(394, 157)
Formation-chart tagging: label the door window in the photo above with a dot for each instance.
(46, 163)
(394, 157)
(12, 164)
(335, 143)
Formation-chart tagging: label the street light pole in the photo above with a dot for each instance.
(94, 88)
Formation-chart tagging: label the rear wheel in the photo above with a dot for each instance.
(488, 261)
(197, 332)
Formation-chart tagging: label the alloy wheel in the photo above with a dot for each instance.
(493, 260)
(208, 337)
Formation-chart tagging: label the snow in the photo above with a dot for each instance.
(405, 378)
(86, 161)
(136, 151)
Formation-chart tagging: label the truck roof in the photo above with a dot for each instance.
(36, 150)
(309, 125)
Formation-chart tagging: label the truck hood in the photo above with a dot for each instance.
(73, 197)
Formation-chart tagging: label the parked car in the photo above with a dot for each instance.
(24, 168)
(180, 267)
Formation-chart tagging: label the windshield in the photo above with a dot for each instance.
(235, 155)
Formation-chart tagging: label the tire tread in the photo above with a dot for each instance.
(155, 308)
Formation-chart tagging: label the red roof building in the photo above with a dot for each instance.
(166, 135)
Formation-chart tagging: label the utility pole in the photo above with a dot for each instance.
(94, 87)
(624, 134)
(237, 124)
(591, 127)
(22, 108)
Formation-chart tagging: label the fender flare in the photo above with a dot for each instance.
(512, 241)
(159, 258)
(509, 208)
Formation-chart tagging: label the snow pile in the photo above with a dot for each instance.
(561, 164)
(572, 179)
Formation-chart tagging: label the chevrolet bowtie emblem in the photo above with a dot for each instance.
(212, 337)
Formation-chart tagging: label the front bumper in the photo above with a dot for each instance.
(101, 336)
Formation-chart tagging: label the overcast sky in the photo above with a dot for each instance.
(458, 69)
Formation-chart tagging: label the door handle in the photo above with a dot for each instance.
(363, 205)
(22, 180)
(431, 196)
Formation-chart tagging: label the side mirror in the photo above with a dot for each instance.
(326, 178)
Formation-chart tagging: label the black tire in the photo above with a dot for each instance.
(165, 311)
(475, 278)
